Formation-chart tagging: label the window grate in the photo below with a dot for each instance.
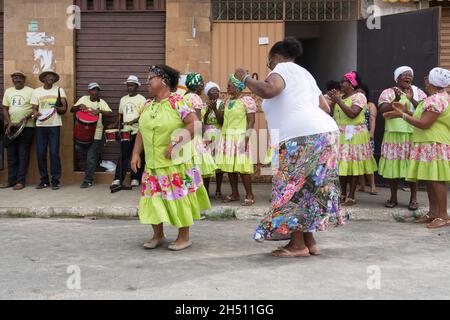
(288, 10)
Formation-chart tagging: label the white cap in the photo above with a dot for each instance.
(93, 85)
(133, 79)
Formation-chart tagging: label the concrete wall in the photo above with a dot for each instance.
(51, 18)
(183, 51)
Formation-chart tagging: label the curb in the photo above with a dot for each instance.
(216, 213)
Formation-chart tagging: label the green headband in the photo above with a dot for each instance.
(237, 83)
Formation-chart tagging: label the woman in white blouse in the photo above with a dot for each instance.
(304, 138)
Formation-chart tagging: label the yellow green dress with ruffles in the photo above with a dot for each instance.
(203, 159)
(172, 189)
(396, 146)
(430, 154)
(231, 154)
(355, 153)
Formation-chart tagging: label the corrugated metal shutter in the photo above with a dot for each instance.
(445, 38)
(112, 45)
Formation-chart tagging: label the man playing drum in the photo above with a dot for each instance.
(49, 103)
(16, 110)
(130, 109)
(89, 111)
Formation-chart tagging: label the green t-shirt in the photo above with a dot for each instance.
(18, 103)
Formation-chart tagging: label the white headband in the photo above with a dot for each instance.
(401, 70)
(209, 86)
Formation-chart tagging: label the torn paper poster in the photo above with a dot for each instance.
(39, 39)
(43, 60)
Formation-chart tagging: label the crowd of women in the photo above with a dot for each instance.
(320, 145)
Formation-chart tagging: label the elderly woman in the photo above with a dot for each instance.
(172, 186)
(396, 146)
(233, 154)
(212, 118)
(305, 184)
(205, 161)
(355, 152)
(430, 154)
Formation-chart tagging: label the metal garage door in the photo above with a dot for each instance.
(112, 45)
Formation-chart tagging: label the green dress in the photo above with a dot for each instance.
(396, 146)
(355, 152)
(172, 189)
(231, 154)
(430, 154)
(202, 157)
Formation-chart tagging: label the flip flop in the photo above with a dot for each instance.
(248, 202)
(425, 219)
(288, 254)
(413, 206)
(230, 199)
(179, 247)
(390, 204)
(313, 253)
(438, 223)
(350, 202)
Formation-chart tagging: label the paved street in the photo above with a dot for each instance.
(224, 262)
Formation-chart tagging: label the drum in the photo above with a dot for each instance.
(46, 114)
(16, 130)
(111, 135)
(85, 127)
(125, 136)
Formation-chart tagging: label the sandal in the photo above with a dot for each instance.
(248, 202)
(425, 219)
(230, 199)
(285, 253)
(218, 196)
(350, 202)
(438, 223)
(391, 204)
(413, 206)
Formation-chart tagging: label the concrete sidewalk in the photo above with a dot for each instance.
(98, 202)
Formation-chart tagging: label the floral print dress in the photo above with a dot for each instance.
(305, 188)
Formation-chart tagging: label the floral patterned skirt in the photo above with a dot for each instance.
(429, 162)
(174, 195)
(305, 188)
(395, 154)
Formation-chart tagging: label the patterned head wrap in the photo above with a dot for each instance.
(193, 81)
(236, 82)
(401, 70)
(439, 77)
(160, 73)
(351, 77)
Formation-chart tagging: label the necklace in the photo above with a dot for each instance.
(231, 104)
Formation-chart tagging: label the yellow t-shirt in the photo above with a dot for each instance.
(18, 104)
(46, 99)
(131, 108)
(95, 105)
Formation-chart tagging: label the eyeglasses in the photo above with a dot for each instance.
(150, 79)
